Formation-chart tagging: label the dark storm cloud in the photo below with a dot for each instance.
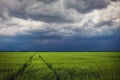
(85, 6)
(47, 1)
(48, 40)
(44, 35)
(115, 0)
(28, 43)
(49, 19)
(103, 23)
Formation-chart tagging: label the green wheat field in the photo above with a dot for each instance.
(59, 65)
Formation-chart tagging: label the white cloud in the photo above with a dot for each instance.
(14, 26)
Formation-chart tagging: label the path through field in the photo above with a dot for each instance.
(22, 69)
(27, 64)
(59, 66)
(49, 65)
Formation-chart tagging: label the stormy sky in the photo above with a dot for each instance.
(59, 25)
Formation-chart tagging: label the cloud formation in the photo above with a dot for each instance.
(22, 16)
(59, 19)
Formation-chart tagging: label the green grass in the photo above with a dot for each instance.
(64, 65)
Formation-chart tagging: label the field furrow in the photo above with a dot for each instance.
(59, 66)
(49, 65)
(22, 69)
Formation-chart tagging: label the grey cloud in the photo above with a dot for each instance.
(85, 6)
(103, 23)
(4, 13)
(115, 0)
(47, 1)
(46, 10)
(52, 10)
(60, 15)
(12, 5)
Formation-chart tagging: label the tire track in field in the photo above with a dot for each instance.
(49, 65)
(22, 69)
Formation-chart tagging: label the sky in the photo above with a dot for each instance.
(60, 25)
